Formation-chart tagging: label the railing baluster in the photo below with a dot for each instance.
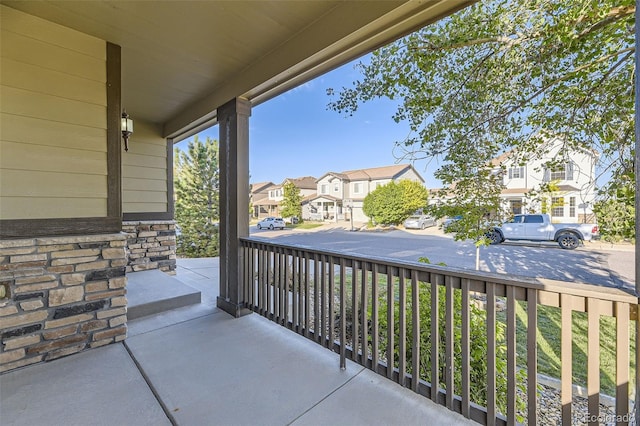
(251, 277)
(332, 296)
(532, 357)
(448, 325)
(259, 294)
(343, 316)
(491, 354)
(622, 361)
(415, 330)
(466, 351)
(287, 278)
(364, 327)
(296, 289)
(374, 318)
(316, 298)
(322, 334)
(354, 310)
(435, 338)
(402, 325)
(267, 281)
(566, 392)
(593, 360)
(276, 285)
(282, 289)
(511, 356)
(306, 295)
(390, 323)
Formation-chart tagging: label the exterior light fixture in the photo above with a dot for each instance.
(126, 125)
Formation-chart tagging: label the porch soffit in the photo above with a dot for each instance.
(183, 59)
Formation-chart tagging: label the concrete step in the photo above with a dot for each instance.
(151, 292)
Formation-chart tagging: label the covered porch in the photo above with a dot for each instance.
(197, 365)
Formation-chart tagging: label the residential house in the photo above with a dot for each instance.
(569, 174)
(340, 196)
(259, 199)
(269, 204)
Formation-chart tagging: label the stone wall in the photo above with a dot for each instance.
(151, 245)
(60, 295)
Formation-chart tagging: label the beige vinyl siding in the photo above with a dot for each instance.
(53, 153)
(144, 170)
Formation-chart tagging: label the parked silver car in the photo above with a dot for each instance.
(419, 222)
(271, 223)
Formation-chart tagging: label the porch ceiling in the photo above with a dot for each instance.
(182, 59)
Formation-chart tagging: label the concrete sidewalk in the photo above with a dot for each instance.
(197, 365)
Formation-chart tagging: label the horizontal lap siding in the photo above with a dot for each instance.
(144, 170)
(53, 148)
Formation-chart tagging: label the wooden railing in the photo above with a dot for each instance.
(473, 337)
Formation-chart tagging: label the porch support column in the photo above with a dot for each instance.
(233, 119)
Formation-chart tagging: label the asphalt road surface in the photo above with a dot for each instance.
(600, 266)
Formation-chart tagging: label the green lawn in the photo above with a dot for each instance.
(303, 225)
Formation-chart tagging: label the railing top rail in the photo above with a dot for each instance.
(543, 284)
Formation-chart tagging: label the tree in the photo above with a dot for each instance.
(617, 215)
(197, 198)
(502, 75)
(292, 201)
(392, 203)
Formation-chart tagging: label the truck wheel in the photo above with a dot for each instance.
(494, 237)
(568, 241)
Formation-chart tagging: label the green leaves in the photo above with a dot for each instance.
(392, 203)
(291, 203)
(491, 77)
(196, 188)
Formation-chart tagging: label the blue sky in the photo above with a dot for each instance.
(295, 134)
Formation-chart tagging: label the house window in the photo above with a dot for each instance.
(572, 206)
(336, 188)
(563, 172)
(323, 189)
(516, 172)
(557, 206)
(357, 188)
(515, 206)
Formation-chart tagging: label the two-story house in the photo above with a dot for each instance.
(266, 198)
(558, 182)
(340, 195)
(259, 198)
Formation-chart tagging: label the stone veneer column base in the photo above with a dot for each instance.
(60, 295)
(151, 245)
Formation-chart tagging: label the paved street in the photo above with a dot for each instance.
(595, 263)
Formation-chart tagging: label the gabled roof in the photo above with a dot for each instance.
(374, 173)
(260, 186)
(305, 182)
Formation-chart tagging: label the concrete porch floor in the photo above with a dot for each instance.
(197, 365)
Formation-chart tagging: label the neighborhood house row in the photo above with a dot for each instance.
(340, 196)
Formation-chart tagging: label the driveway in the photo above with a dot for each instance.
(594, 263)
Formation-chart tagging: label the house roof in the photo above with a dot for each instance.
(181, 60)
(305, 182)
(260, 186)
(374, 173)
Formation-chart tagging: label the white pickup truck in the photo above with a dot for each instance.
(538, 227)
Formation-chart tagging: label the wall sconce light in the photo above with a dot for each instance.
(126, 125)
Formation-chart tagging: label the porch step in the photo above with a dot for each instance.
(151, 292)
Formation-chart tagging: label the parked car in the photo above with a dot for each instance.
(446, 224)
(538, 227)
(419, 222)
(271, 223)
